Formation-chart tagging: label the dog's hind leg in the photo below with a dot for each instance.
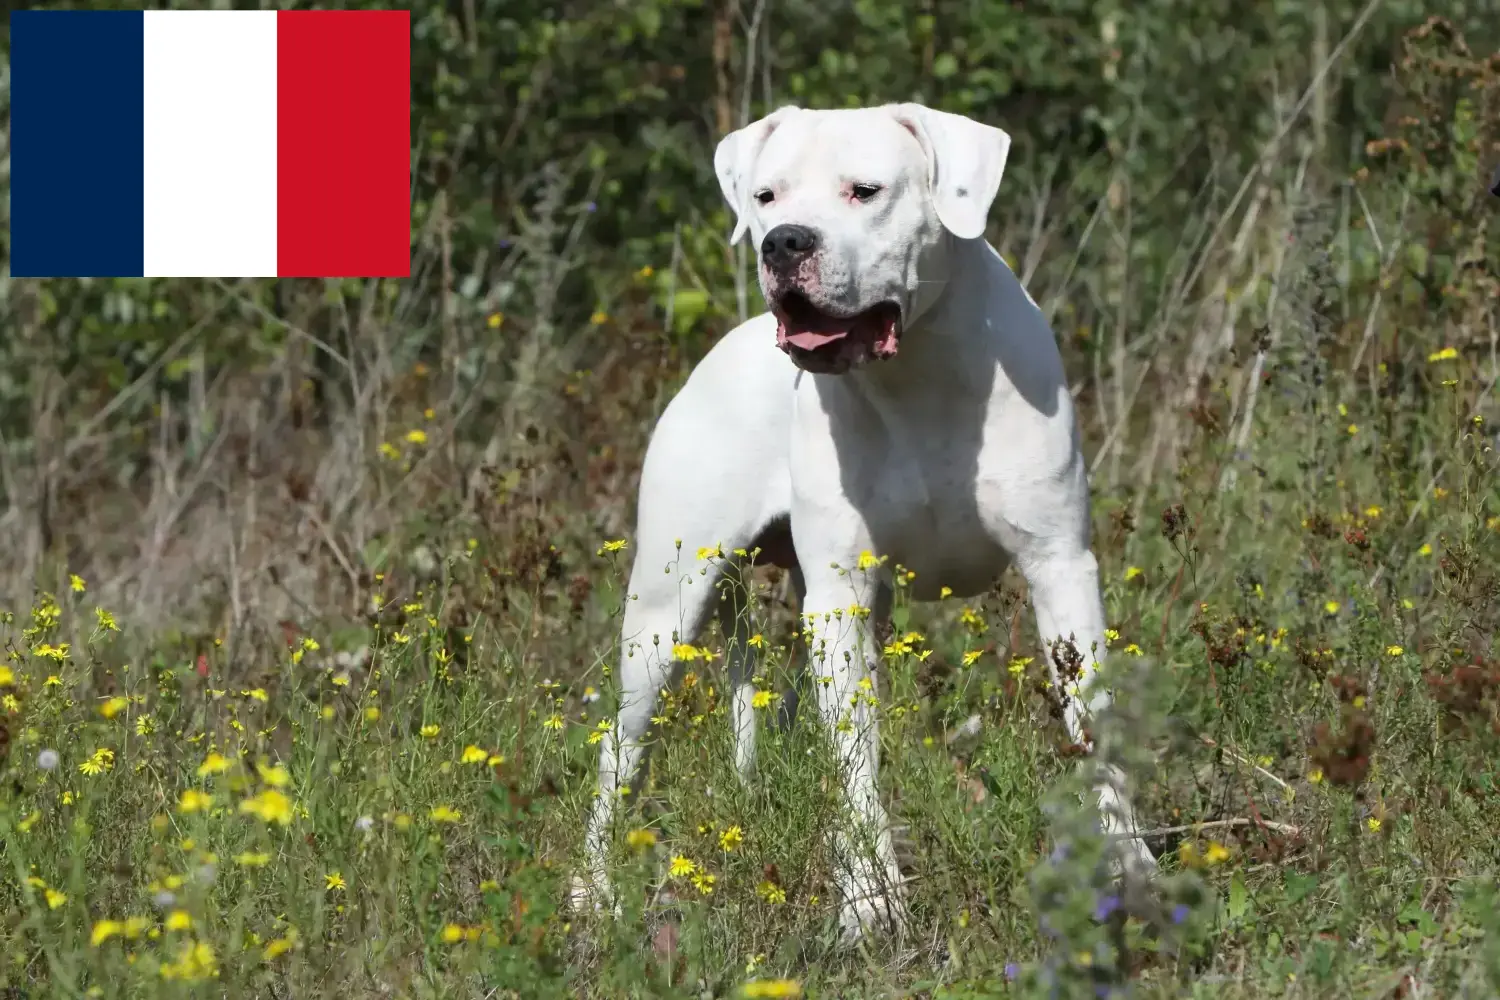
(743, 660)
(664, 609)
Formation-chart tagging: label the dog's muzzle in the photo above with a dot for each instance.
(824, 343)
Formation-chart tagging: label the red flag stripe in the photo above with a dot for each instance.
(343, 141)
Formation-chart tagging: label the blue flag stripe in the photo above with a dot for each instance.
(77, 134)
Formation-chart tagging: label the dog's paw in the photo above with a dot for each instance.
(867, 916)
(1132, 857)
(586, 895)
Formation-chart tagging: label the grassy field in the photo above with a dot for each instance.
(303, 706)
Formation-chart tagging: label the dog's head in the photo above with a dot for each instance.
(851, 212)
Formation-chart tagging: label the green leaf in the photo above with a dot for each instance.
(1239, 899)
(688, 306)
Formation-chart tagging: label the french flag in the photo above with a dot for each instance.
(192, 143)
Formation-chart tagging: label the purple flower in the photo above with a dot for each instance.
(505, 244)
(1012, 970)
(591, 207)
(1107, 905)
(1180, 913)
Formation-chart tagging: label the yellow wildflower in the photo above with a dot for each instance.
(194, 801)
(270, 806)
(444, 814)
(787, 989)
(731, 838)
(214, 763)
(276, 776)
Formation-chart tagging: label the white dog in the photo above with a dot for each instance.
(904, 397)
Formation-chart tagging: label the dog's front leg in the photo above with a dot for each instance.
(1064, 583)
(839, 620)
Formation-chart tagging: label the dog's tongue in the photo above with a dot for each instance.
(811, 340)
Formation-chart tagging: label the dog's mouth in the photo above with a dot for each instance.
(819, 341)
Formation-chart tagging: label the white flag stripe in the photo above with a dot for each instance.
(210, 149)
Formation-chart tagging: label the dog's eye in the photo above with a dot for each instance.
(864, 192)
(765, 196)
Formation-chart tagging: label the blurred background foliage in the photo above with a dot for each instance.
(566, 219)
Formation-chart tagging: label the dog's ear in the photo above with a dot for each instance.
(965, 161)
(734, 158)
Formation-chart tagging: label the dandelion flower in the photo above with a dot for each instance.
(416, 436)
(474, 755)
(682, 867)
(430, 731)
(106, 620)
(444, 814)
(48, 760)
(731, 838)
(452, 933)
(761, 699)
(55, 899)
(1216, 853)
(334, 881)
(77, 583)
(364, 824)
(1373, 824)
(178, 920)
(640, 840)
(787, 989)
(252, 859)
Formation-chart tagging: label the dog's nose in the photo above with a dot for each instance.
(787, 246)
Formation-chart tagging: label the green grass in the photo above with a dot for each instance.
(434, 787)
